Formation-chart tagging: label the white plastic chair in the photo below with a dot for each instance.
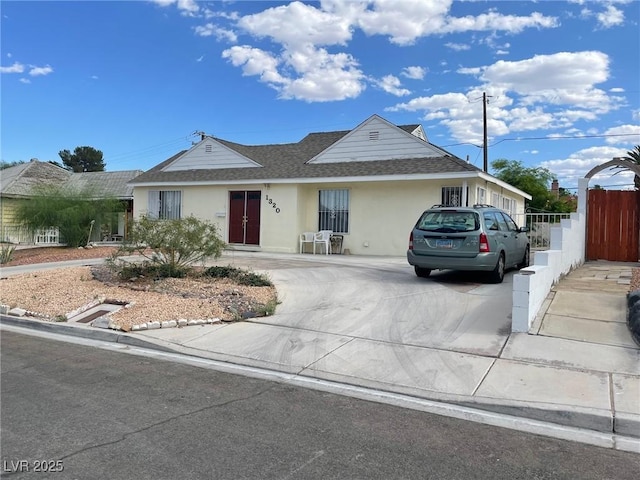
(307, 237)
(323, 237)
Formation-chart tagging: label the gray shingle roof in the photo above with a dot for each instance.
(103, 184)
(23, 180)
(288, 161)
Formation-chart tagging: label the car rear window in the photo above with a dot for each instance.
(448, 221)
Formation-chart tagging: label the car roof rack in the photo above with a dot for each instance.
(483, 205)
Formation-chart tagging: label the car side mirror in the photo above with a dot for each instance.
(523, 229)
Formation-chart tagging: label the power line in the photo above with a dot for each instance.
(559, 137)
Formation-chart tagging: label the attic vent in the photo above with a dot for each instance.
(375, 135)
(208, 148)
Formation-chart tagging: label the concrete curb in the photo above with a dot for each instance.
(601, 421)
(83, 332)
(577, 417)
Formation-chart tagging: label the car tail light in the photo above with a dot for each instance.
(484, 243)
(411, 241)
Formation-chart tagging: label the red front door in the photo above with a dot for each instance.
(244, 217)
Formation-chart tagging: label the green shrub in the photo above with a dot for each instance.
(131, 270)
(73, 212)
(221, 272)
(172, 246)
(6, 253)
(242, 277)
(254, 279)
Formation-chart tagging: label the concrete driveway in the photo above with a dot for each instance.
(343, 309)
(381, 299)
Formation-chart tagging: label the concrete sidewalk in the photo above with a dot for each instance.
(577, 367)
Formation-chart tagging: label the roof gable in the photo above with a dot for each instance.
(24, 178)
(377, 139)
(209, 154)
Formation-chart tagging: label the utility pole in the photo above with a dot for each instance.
(484, 142)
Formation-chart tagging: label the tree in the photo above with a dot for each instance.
(533, 180)
(73, 213)
(57, 164)
(4, 164)
(83, 159)
(171, 247)
(634, 157)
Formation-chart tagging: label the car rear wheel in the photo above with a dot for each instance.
(422, 272)
(497, 274)
(526, 259)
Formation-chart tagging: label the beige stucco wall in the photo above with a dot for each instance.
(381, 214)
(279, 218)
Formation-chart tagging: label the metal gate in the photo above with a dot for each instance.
(613, 225)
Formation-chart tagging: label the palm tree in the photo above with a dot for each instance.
(634, 157)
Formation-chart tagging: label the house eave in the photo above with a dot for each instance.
(349, 179)
(505, 185)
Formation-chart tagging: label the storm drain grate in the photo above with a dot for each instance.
(92, 316)
(97, 311)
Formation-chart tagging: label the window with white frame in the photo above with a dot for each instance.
(495, 199)
(481, 195)
(165, 204)
(333, 210)
(509, 205)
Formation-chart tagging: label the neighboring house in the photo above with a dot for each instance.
(21, 182)
(368, 185)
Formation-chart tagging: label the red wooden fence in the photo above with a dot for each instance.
(613, 225)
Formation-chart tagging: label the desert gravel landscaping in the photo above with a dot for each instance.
(54, 294)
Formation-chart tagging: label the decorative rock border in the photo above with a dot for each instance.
(105, 321)
(173, 324)
(633, 314)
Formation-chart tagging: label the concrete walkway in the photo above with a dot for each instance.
(577, 367)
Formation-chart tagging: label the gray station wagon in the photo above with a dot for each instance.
(481, 237)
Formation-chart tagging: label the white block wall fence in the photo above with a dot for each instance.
(567, 251)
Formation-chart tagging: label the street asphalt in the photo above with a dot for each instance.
(370, 323)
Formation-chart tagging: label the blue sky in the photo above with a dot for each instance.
(136, 79)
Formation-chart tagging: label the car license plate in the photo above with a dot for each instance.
(444, 244)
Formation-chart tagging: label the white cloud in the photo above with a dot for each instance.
(631, 135)
(311, 74)
(254, 62)
(543, 92)
(578, 164)
(25, 80)
(187, 8)
(391, 84)
(220, 33)
(298, 23)
(302, 29)
(17, 67)
(610, 17)
(200, 58)
(458, 47)
(37, 71)
(415, 73)
(494, 21)
(543, 73)
(461, 114)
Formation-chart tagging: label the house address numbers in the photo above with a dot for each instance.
(272, 203)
